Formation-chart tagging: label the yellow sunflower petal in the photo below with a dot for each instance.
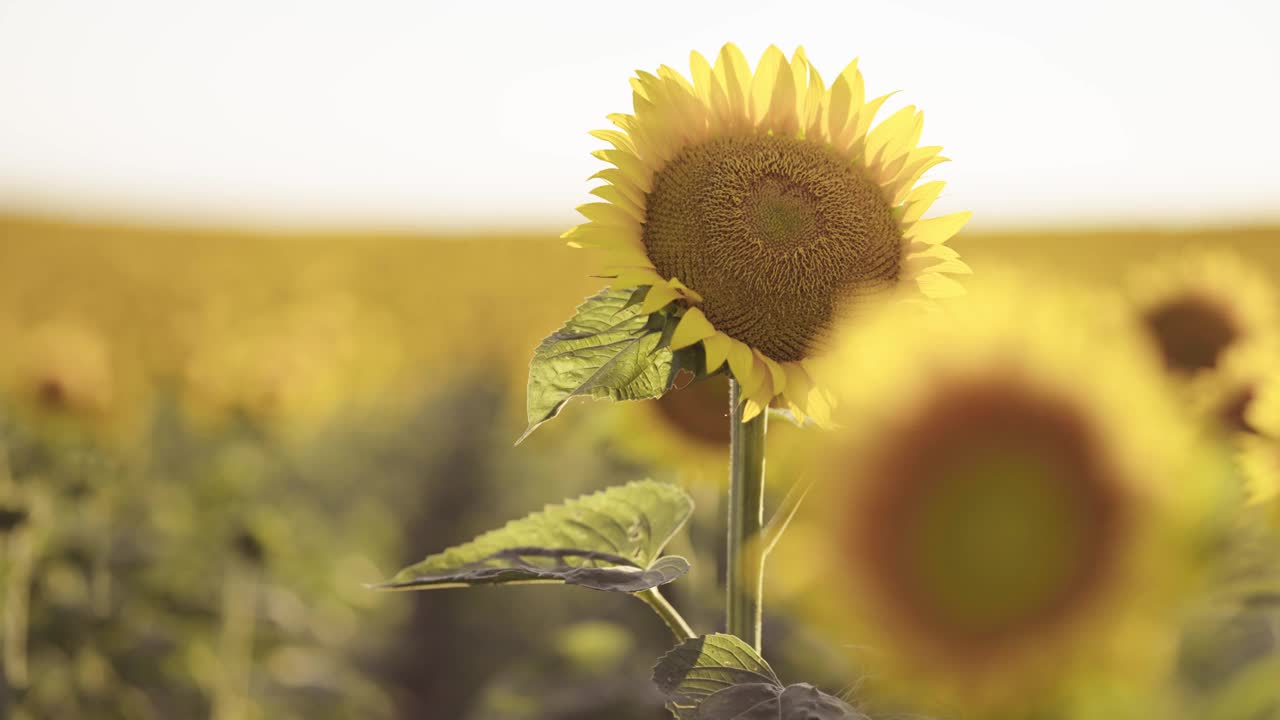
(777, 376)
(734, 74)
(939, 286)
(618, 140)
(702, 75)
(890, 133)
(717, 351)
(937, 230)
(626, 256)
(845, 98)
(763, 82)
(919, 200)
(693, 327)
(635, 277)
(865, 116)
(593, 234)
(798, 383)
(630, 165)
(781, 115)
(659, 296)
(742, 364)
(752, 409)
(615, 178)
(612, 195)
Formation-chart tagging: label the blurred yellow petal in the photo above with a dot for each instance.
(939, 286)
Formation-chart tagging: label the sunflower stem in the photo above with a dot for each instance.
(745, 561)
(665, 610)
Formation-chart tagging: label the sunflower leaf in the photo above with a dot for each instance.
(762, 701)
(609, 350)
(611, 540)
(698, 668)
(720, 677)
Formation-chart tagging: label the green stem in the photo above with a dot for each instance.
(668, 613)
(745, 561)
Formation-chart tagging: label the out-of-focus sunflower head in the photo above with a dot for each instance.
(1012, 506)
(292, 369)
(761, 206)
(687, 431)
(65, 378)
(1203, 311)
(1260, 451)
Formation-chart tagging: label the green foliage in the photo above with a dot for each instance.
(609, 350)
(720, 677)
(610, 540)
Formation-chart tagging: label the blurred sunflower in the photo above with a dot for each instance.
(1260, 451)
(294, 368)
(687, 428)
(1013, 509)
(70, 382)
(1202, 310)
(765, 206)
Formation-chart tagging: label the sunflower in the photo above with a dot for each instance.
(1013, 507)
(1201, 310)
(761, 206)
(687, 429)
(1260, 450)
(70, 383)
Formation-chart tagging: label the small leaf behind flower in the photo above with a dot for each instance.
(611, 540)
(609, 349)
(720, 677)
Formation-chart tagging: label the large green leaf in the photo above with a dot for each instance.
(761, 701)
(611, 540)
(720, 677)
(609, 350)
(698, 668)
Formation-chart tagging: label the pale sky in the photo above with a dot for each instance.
(475, 114)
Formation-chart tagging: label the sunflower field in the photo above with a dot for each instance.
(802, 449)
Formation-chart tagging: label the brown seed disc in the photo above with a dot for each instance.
(699, 412)
(994, 518)
(1192, 332)
(778, 235)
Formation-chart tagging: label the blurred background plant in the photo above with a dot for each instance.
(203, 463)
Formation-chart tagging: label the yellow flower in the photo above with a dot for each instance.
(295, 368)
(1013, 507)
(686, 428)
(1260, 451)
(764, 205)
(1202, 310)
(66, 378)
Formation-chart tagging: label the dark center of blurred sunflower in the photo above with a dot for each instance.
(699, 412)
(1191, 332)
(996, 518)
(776, 234)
